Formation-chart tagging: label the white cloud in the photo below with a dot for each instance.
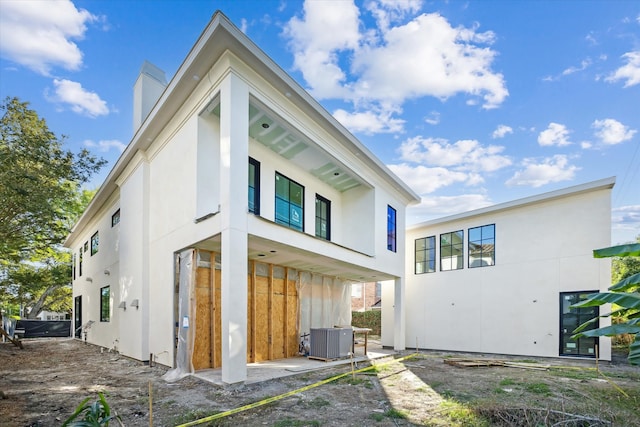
(630, 72)
(584, 64)
(80, 100)
(106, 145)
(501, 131)
(424, 180)
(611, 131)
(400, 58)
(369, 122)
(39, 34)
(625, 220)
(433, 118)
(466, 155)
(434, 206)
(555, 134)
(537, 174)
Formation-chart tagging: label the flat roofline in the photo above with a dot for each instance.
(531, 200)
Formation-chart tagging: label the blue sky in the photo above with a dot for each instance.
(471, 103)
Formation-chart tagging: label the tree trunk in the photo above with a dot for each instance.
(39, 304)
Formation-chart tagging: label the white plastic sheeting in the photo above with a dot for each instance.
(186, 318)
(325, 302)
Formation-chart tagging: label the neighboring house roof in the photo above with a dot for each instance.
(219, 36)
(540, 198)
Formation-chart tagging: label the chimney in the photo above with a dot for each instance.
(149, 86)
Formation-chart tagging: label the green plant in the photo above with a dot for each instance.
(93, 414)
(395, 414)
(626, 295)
(507, 381)
(376, 417)
(538, 388)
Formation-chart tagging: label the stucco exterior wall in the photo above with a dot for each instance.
(541, 249)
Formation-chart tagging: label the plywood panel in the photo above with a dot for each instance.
(278, 319)
(262, 319)
(202, 347)
(292, 319)
(217, 316)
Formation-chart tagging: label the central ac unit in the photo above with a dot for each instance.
(331, 343)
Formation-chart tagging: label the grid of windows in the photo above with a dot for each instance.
(95, 241)
(323, 217)
(451, 248)
(254, 186)
(391, 229)
(425, 255)
(105, 304)
(115, 218)
(482, 252)
(289, 203)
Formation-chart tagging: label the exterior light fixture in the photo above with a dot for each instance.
(265, 125)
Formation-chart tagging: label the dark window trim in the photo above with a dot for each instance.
(451, 245)
(94, 250)
(481, 240)
(80, 262)
(115, 218)
(327, 220)
(561, 324)
(105, 317)
(256, 187)
(289, 202)
(392, 230)
(427, 259)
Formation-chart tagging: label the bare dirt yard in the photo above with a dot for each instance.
(42, 385)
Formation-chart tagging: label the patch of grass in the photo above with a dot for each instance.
(538, 388)
(318, 402)
(507, 381)
(395, 414)
(376, 416)
(458, 414)
(290, 422)
(576, 374)
(192, 415)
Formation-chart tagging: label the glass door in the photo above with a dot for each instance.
(570, 319)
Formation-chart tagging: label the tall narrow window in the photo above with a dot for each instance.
(254, 186)
(451, 248)
(391, 229)
(95, 241)
(80, 262)
(323, 217)
(105, 304)
(426, 255)
(482, 251)
(115, 218)
(289, 203)
(74, 266)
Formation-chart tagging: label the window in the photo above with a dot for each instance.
(482, 252)
(378, 290)
(254, 186)
(289, 203)
(451, 250)
(86, 247)
(323, 217)
(105, 304)
(115, 218)
(95, 240)
(74, 266)
(356, 290)
(570, 319)
(80, 262)
(426, 255)
(391, 229)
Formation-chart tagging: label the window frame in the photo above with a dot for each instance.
(452, 245)
(428, 259)
(290, 205)
(482, 243)
(105, 305)
(326, 220)
(80, 262)
(95, 243)
(392, 235)
(115, 218)
(256, 186)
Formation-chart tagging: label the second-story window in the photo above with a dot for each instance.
(425, 255)
(391, 229)
(323, 217)
(115, 218)
(451, 247)
(254, 186)
(289, 203)
(95, 241)
(80, 262)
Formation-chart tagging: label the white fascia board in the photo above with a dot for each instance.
(539, 198)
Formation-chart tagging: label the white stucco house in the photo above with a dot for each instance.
(235, 220)
(501, 279)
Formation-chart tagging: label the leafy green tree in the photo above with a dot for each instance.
(38, 177)
(625, 297)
